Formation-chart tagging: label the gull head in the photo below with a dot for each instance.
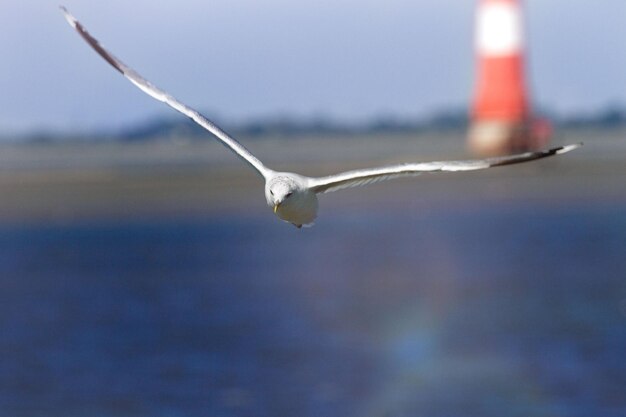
(290, 199)
(279, 190)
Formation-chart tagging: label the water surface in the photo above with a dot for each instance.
(506, 310)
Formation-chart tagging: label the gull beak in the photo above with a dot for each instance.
(276, 207)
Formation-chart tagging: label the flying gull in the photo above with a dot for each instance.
(293, 197)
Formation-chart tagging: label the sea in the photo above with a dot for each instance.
(460, 310)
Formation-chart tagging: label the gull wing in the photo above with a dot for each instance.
(153, 91)
(369, 176)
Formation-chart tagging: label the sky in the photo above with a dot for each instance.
(242, 59)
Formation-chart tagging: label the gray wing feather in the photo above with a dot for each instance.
(368, 176)
(160, 95)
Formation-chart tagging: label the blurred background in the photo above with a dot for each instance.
(142, 274)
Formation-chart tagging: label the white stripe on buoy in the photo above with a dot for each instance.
(499, 31)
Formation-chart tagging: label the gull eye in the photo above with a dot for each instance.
(271, 192)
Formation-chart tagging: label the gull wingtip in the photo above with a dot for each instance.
(68, 16)
(568, 148)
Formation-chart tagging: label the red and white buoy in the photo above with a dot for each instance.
(501, 116)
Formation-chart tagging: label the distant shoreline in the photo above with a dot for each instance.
(449, 120)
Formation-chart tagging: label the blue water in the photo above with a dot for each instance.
(499, 311)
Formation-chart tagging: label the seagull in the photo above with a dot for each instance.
(291, 196)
